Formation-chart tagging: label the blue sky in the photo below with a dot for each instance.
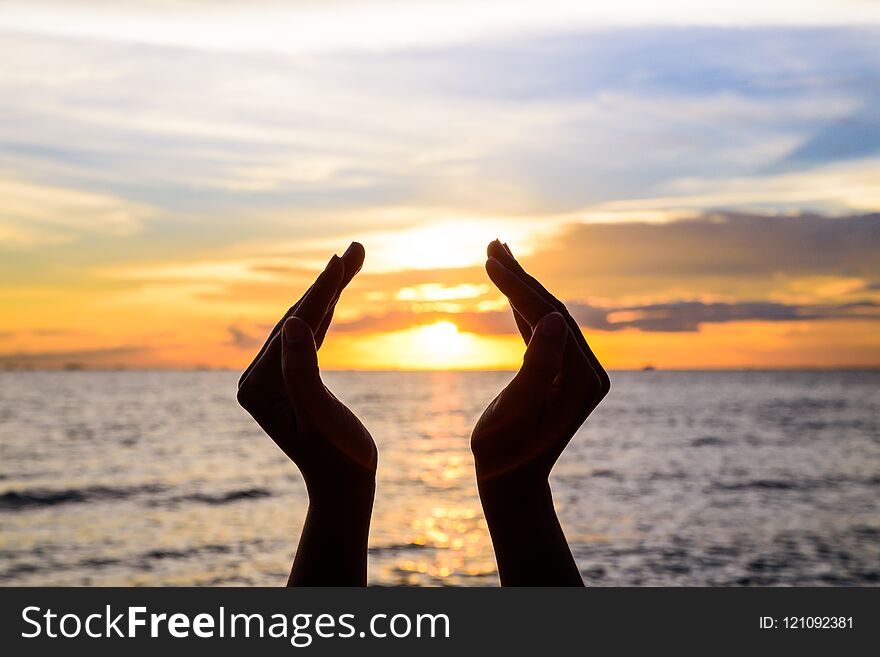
(529, 125)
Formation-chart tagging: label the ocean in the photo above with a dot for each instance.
(678, 478)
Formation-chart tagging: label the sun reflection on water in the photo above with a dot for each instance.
(447, 543)
(459, 539)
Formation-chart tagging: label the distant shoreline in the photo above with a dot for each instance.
(657, 370)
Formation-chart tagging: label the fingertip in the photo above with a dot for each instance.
(296, 331)
(553, 326)
(334, 271)
(494, 264)
(494, 249)
(354, 253)
(495, 270)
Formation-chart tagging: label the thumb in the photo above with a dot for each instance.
(299, 366)
(542, 362)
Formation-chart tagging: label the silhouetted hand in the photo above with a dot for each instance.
(283, 391)
(521, 434)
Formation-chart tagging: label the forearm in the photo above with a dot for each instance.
(530, 546)
(332, 548)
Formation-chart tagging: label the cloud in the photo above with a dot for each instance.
(851, 137)
(677, 276)
(472, 322)
(319, 27)
(241, 339)
(688, 316)
(672, 317)
(534, 124)
(34, 214)
(74, 358)
(721, 244)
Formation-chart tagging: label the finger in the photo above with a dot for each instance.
(318, 299)
(524, 329)
(265, 364)
(274, 333)
(504, 255)
(299, 367)
(264, 373)
(353, 259)
(321, 333)
(528, 303)
(542, 363)
(522, 325)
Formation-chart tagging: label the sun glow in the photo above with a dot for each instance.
(437, 346)
(441, 340)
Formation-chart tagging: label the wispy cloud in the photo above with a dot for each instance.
(539, 124)
(33, 214)
(308, 27)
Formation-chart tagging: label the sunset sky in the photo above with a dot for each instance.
(696, 180)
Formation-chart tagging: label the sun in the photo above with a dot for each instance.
(440, 340)
(440, 345)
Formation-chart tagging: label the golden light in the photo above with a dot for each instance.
(437, 346)
(449, 243)
(442, 340)
(437, 292)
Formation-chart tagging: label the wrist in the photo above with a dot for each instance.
(528, 481)
(343, 495)
(513, 496)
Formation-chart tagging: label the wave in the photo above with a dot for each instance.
(139, 562)
(802, 485)
(212, 548)
(708, 441)
(16, 500)
(222, 498)
(762, 484)
(395, 548)
(605, 473)
(37, 498)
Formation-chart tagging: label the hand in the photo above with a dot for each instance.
(283, 391)
(527, 426)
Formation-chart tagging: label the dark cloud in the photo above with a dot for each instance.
(722, 244)
(689, 315)
(241, 339)
(677, 316)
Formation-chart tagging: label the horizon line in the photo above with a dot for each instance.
(647, 368)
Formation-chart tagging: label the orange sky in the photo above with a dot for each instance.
(215, 313)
